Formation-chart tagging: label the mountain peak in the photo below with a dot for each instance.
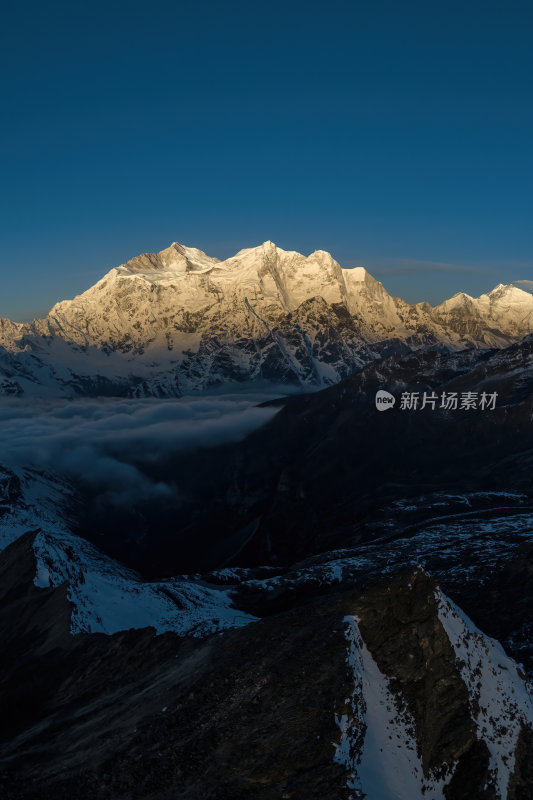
(505, 287)
(501, 288)
(508, 291)
(458, 300)
(175, 258)
(192, 255)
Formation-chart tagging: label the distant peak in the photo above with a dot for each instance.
(458, 299)
(180, 248)
(462, 295)
(505, 289)
(188, 251)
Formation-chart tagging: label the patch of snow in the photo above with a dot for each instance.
(42, 576)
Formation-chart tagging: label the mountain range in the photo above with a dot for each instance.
(179, 321)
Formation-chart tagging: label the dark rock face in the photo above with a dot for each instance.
(470, 776)
(521, 783)
(400, 626)
(33, 624)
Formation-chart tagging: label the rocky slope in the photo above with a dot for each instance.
(389, 693)
(179, 321)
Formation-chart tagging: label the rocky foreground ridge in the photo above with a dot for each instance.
(387, 692)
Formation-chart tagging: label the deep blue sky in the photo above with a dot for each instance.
(397, 135)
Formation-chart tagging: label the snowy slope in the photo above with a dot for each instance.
(501, 701)
(106, 596)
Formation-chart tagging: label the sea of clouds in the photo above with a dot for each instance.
(111, 445)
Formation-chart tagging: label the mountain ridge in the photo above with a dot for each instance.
(180, 321)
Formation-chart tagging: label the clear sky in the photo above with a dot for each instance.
(397, 135)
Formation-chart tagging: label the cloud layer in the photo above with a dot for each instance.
(111, 446)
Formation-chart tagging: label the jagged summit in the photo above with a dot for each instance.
(457, 297)
(508, 291)
(176, 258)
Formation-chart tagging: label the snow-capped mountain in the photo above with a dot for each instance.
(179, 321)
